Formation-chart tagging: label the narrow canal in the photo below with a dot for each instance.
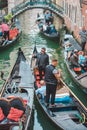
(30, 35)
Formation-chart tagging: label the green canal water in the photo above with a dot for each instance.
(30, 35)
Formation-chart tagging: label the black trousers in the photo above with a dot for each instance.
(50, 91)
(83, 45)
(41, 71)
(6, 34)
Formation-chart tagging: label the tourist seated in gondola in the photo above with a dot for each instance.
(44, 27)
(74, 61)
(52, 30)
(40, 25)
(41, 91)
(48, 29)
(82, 59)
(5, 30)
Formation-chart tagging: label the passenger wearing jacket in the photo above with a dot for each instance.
(74, 59)
(42, 61)
(5, 30)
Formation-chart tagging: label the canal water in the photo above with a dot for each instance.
(30, 36)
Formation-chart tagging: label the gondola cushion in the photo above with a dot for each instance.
(25, 101)
(77, 69)
(2, 116)
(62, 99)
(15, 114)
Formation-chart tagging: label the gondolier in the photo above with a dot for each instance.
(42, 61)
(51, 78)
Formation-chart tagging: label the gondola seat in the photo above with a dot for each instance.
(2, 116)
(15, 114)
(17, 109)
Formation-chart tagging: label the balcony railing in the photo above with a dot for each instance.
(26, 5)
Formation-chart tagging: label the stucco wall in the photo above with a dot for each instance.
(84, 12)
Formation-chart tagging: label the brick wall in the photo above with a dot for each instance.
(73, 17)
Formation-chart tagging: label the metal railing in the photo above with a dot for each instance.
(28, 5)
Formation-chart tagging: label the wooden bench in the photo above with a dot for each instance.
(62, 107)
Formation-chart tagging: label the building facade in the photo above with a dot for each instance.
(75, 14)
(84, 12)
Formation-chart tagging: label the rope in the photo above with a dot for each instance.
(83, 117)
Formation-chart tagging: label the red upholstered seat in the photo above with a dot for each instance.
(2, 116)
(15, 114)
(77, 69)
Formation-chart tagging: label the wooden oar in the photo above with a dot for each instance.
(73, 94)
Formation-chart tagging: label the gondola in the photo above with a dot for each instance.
(68, 113)
(53, 36)
(81, 78)
(16, 97)
(14, 33)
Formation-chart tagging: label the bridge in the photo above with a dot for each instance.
(45, 5)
